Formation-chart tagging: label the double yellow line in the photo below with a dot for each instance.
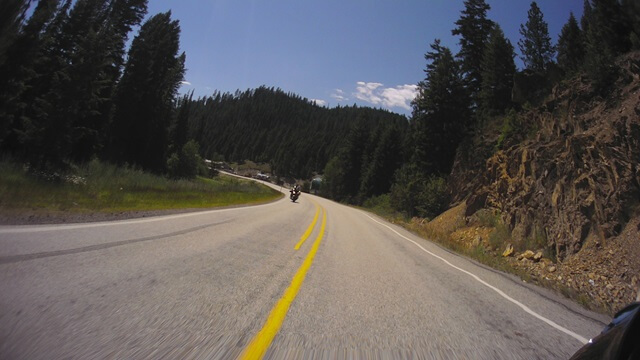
(261, 342)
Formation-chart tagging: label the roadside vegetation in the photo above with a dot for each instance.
(482, 237)
(100, 187)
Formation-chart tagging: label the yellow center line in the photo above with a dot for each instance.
(306, 234)
(261, 342)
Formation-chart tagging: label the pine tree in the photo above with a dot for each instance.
(121, 17)
(377, 176)
(611, 25)
(587, 16)
(473, 28)
(599, 55)
(145, 94)
(498, 69)
(535, 44)
(351, 157)
(440, 112)
(632, 8)
(25, 73)
(570, 46)
(12, 14)
(179, 132)
(610, 32)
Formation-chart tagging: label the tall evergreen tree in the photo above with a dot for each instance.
(179, 132)
(473, 27)
(121, 17)
(587, 16)
(12, 14)
(570, 46)
(535, 44)
(632, 9)
(498, 69)
(25, 73)
(440, 112)
(145, 94)
(611, 25)
(377, 175)
(607, 36)
(352, 155)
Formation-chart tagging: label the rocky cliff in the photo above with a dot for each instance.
(565, 178)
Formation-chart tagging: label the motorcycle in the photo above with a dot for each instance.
(295, 193)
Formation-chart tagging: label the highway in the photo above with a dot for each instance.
(230, 283)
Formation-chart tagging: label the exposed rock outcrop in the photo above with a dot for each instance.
(570, 173)
(565, 179)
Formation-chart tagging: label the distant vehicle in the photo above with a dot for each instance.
(262, 176)
(618, 340)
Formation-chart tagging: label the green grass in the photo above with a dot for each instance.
(381, 205)
(98, 187)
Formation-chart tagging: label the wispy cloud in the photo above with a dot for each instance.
(376, 94)
(185, 83)
(367, 92)
(339, 95)
(319, 102)
(400, 96)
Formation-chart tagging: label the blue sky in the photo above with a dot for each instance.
(336, 52)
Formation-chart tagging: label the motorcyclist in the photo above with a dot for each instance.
(295, 191)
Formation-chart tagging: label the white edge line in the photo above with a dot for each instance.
(500, 292)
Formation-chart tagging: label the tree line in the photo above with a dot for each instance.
(292, 133)
(463, 91)
(70, 94)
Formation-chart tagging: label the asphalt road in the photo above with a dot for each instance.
(223, 283)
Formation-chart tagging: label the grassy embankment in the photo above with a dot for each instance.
(97, 187)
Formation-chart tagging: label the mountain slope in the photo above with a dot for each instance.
(565, 178)
(268, 125)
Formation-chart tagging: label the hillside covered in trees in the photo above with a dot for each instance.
(293, 134)
(547, 155)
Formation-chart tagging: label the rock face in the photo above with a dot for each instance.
(570, 175)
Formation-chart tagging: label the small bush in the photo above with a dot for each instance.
(487, 218)
(432, 198)
(381, 205)
(499, 236)
(415, 194)
(186, 164)
(511, 125)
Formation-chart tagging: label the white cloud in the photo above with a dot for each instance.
(319, 102)
(400, 96)
(367, 92)
(338, 94)
(185, 83)
(374, 93)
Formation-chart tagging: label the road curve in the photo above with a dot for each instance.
(206, 285)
